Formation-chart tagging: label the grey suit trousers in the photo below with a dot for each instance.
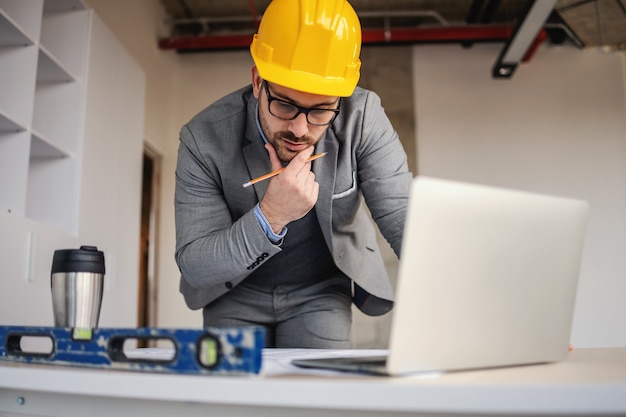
(313, 316)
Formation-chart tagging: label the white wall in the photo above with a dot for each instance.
(558, 127)
(110, 201)
(26, 249)
(138, 28)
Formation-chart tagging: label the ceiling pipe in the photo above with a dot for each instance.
(205, 43)
(490, 10)
(387, 14)
(450, 34)
(207, 20)
(253, 12)
(473, 13)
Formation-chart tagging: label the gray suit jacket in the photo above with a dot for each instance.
(218, 239)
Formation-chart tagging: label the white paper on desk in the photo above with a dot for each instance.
(274, 362)
(278, 361)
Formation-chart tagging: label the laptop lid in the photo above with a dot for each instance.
(488, 277)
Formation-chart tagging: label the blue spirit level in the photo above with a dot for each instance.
(211, 350)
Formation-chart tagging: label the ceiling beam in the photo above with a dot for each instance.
(528, 34)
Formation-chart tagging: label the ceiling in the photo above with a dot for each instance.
(209, 25)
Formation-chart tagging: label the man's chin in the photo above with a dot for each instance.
(286, 155)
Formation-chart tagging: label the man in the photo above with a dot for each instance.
(292, 253)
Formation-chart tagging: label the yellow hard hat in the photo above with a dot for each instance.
(309, 45)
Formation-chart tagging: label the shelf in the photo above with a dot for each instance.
(62, 39)
(53, 6)
(57, 113)
(51, 192)
(42, 147)
(20, 22)
(50, 70)
(43, 62)
(11, 34)
(9, 125)
(17, 83)
(14, 157)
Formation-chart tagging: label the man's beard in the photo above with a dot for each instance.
(284, 153)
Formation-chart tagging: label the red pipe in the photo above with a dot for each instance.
(255, 15)
(190, 43)
(471, 33)
(541, 36)
(438, 34)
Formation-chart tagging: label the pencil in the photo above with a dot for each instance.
(278, 171)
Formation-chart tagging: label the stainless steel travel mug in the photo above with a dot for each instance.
(77, 282)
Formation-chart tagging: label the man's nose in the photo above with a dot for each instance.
(299, 126)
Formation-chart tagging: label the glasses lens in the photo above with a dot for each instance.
(283, 110)
(287, 111)
(320, 117)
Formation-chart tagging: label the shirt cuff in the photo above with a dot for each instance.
(276, 239)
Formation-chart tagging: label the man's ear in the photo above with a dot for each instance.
(256, 82)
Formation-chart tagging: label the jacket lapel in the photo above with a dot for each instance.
(258, 163)
(254, 153)
(325, 172)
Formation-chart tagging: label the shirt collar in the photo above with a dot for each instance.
(258, 125)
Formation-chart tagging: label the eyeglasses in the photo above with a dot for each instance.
(285, 110)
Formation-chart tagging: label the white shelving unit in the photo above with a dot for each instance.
(71, 135)
(43, 62)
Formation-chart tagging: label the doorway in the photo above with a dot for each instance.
(147, 303)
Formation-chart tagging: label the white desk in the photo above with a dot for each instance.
(589, 382)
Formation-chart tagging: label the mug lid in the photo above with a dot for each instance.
(85, 259)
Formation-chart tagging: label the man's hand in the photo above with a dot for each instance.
(293, 193)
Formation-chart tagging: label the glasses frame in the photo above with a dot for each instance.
(301, 110)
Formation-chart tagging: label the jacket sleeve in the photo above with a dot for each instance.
(384, 177)
(213, 251)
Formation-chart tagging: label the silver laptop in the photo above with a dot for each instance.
(487, 278)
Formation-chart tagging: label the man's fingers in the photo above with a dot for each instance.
(304, 154)
(274, 159)
(300, 164)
